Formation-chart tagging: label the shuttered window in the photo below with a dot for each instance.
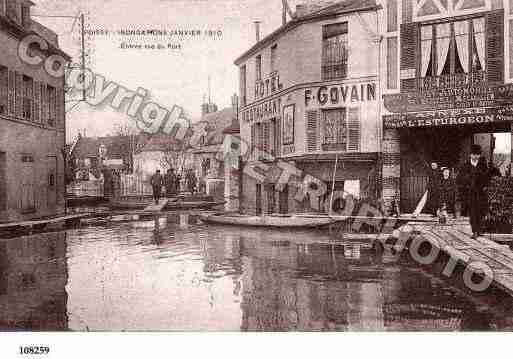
(353, 129)
(391, 15)
(392, 63)
(4, 89)
(60, 110)
(37, 102)
(409, 54)
(312, 131)
(253, 141)
(495, 46)
(277, 137)
(52, 105)
(335, 51)
(12, 93)
(28, 95)
(44, 104)
(243, 85)
(334, 130)
(266, 134)
(19, 94)
(511, 47)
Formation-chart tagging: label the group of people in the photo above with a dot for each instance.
(171, 181)
(468, 189)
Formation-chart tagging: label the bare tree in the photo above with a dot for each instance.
(135, 141)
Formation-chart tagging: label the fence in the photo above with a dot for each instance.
(133, 185)
(86, 189)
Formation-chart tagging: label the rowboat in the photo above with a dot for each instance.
(271, 221)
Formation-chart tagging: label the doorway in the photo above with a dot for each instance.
(51, 197)
(3, 182)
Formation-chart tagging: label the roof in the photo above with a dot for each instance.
(333, 10)
(160, 143)
(217, 123)
(117, 146)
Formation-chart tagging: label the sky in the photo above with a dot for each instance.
(173, 77)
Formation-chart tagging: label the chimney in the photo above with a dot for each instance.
(257, 30)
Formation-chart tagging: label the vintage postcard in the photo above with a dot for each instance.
(255, 166)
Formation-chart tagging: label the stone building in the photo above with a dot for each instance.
(310, 109)
(447, 83)
(32, 120)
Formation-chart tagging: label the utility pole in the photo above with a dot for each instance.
(82, 18)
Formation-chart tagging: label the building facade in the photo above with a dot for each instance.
(32, 122)
(310, 110)
(447, 83)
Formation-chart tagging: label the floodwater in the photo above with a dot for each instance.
(180, 274)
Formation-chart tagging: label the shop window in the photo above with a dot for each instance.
(334, 51)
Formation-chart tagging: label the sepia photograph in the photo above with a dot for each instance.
(178, 166)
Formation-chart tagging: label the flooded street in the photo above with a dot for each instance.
(178, 274)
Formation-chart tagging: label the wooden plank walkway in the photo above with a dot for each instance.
(43, 222)
(154, 207)
(456, 241)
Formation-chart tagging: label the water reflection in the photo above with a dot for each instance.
(33, 276)
(175, 273)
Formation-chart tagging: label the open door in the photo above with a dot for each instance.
(51, 194)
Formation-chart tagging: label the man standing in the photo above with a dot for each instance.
(433, 189)
(170, 183)
(156, 185)
(474, 176)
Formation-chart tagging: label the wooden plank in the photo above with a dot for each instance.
(43, 221)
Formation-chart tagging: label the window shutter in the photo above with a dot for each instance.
(44, 104)
(266, 134)
(409, 52)
(277, 137)
(19, 94)
(12, 93)
(495, 46)
(60, 108)
(37, 102)
(4, 90)
(353, 129)
(312, 130)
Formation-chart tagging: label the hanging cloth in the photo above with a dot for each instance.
(479, 37)
(461, 30)
(443, 42)
(426, 41)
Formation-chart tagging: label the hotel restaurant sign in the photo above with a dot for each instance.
(446, 107)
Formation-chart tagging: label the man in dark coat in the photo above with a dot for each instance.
(156, 185)
(434, 189)
(447, 190)
(170, 183)
(474, 175)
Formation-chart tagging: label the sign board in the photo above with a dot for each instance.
(468, 116)
(263, 111)
(450, 98)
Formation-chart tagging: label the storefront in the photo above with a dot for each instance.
(454, 93)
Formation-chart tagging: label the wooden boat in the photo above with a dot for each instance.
(271, 221)
(172, 205)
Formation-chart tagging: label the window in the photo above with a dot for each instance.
(258, 67)
(52, 105)
(392, 58)
(3, 90)
(13, 10)
(334, 51)
(391, 15)
(25, 15)
(335, 129)
(28, 88)
(341, 129)
(453, 48)
(243, 85)
(274, 51)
